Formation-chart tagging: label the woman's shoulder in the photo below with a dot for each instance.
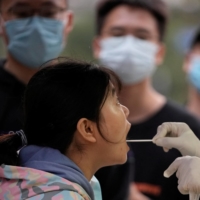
(28, 183)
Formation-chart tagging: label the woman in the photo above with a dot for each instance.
(74, 126)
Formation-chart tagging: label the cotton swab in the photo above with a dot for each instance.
(139, 140)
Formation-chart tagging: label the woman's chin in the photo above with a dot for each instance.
(123, 160)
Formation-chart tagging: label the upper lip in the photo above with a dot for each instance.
(128, 130)
(129, 127)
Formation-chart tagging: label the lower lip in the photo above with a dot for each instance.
(128, 147)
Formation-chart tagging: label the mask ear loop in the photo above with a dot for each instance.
(65, 21)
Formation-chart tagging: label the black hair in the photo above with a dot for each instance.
(156, 7)
(67, 2)
(58, 96)
(10, 143)
(196, 39)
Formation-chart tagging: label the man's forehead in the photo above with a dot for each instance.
(126, 15)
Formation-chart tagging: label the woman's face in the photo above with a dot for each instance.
(114, 128)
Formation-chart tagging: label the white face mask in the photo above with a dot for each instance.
(132, 59)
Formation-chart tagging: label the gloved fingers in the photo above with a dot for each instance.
(172, 168)
(162, 131)
(168, 143)
(171, 129)
(182, 190)
(165, 149)
(194, 196)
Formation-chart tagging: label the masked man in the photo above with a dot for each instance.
(130, 42)
(34, 32)
(192, 69)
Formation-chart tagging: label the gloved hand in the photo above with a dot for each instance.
(177, 135)
(188, 174)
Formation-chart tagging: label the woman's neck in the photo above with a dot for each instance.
(83, 161)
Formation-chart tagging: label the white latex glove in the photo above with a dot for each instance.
(188, 174)
(177, 135)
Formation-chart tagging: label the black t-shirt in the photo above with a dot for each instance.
(11, 95)
(151, 161)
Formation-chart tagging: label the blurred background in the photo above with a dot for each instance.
(169, 79)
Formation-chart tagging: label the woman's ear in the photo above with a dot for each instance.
(87, 130)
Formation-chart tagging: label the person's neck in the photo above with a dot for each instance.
(84, 161)
(141, 100)
(20, 72)
(193, 104)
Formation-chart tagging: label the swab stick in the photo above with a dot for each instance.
(138, 140)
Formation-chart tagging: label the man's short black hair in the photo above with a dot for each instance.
(196, 39)
(156, 7)
(67, 1)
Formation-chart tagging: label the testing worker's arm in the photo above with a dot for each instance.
(187, 168)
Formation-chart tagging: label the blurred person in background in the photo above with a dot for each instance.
(129, 41)
(192, 68)
(34, 32)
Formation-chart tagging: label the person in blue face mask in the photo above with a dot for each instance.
(34, 32)
(130, 41)
(192, 68)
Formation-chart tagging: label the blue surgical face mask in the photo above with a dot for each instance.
(194, 73)
(34, 40)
